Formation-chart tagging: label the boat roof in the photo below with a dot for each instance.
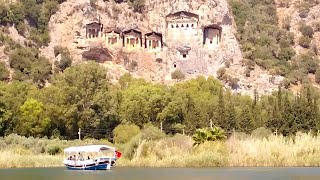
(88, 148)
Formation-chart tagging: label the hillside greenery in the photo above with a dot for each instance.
(82, 96)
(30, 17)
(270, 46)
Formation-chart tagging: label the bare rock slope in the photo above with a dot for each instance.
(68, 29)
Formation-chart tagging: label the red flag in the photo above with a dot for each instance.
(118, 154)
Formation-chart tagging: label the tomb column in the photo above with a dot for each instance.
(159, 43)
(217, 36)
(150, 44)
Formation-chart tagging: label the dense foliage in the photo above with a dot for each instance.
(36, 12)
(270, 46)
(82, 97)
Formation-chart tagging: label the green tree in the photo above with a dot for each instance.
(245, 122)
(230, 114)
(221, 113)
(32, 120)
(142, 103)
(208, 134)
(29, 65)
(87, 98)
(123, 133)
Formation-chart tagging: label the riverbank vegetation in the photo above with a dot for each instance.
(19, 151)
(82, 96)
(142, 118)
(277, 151)
(150, 148)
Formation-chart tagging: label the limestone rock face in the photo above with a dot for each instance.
(100, 55)
(184, 45)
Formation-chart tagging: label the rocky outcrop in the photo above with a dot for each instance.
(99, 55)
(68, 29)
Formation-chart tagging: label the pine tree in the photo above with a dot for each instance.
(230, 115)
(288, 124)
(245, 122)
(221, 113)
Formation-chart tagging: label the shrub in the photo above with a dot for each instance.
(286, 53)
(150, 132)
(304, 41)
(285, 83)
(316, 26)
(286, 23)
(132, 66)
(233, 82)
(261, 133)
(221, 72)
(304, 9)
(306, 30)
(130, 148)
(308, 62)
(4, 72)
(177, 74)
(137, 5)
(317, 76)
(247, 72)
(124, 132)
(65, 60)
(54, 149)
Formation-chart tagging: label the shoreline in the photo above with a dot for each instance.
(302, 150)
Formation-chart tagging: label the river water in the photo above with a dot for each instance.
(121, 173)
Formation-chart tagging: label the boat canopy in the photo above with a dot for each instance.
(89, 148)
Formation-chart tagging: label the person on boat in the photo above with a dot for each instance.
(80, 157)
(88, 158)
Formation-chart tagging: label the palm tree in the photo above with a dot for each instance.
(208, 134)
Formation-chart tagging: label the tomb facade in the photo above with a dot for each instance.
(212, 36)
(93, 30)
(113, 37)
(182, 25)
(153, 41)
(132, 39)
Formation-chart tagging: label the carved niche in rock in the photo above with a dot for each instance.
(99, 55)
(212, 36)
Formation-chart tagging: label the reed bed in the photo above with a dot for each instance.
(10, 159)
(274, 151)
(176, 151)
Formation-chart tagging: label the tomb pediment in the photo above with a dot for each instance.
(132, 32)
(182, 15)
(94, 25)
(213, 26)
(112, 30)
(153, 35)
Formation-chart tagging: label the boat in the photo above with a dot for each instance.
(90, 157)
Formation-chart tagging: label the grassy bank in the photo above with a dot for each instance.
(10, 159)
(302, 150)
(174, 151)
(18, 151)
